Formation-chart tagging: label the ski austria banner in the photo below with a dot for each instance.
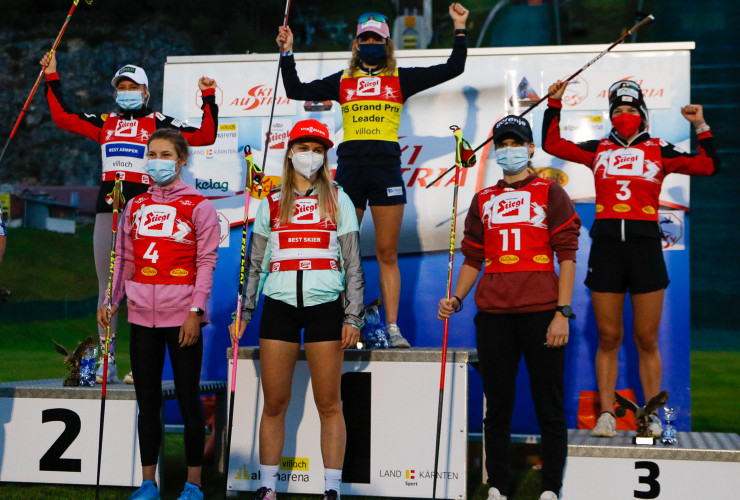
(496, 82)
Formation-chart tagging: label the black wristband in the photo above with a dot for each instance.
(459, 301)
(461, 31)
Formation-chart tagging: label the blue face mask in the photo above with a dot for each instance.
(513, 160)
(130, 99)
(371, 53)
(161, 171)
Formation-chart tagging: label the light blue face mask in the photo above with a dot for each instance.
(161, 171)
(130, 99)
(513, 160)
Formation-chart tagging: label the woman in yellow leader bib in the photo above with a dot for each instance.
(371, 93)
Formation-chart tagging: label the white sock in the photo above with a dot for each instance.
(268, 477)
(332, 479)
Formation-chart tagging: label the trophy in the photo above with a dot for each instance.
(642, 415)
(669, 432)
(73, 359)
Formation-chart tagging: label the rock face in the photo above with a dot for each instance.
(87, 58)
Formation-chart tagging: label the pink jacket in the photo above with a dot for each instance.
(157, 305)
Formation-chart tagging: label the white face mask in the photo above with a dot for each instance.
(307, 163)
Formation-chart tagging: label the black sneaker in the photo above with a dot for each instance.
(331, 495)
(266, 494)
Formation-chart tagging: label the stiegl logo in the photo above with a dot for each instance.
(368, 86)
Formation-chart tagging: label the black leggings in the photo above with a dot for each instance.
(147, 361)
(502, 339)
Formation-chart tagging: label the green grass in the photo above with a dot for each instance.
(715, 383)
(43, 265)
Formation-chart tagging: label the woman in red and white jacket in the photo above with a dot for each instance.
(626, 253)
(164, 263)
(514, 231)
(123, 136)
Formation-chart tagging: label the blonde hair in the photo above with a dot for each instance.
(327, 195)
(390, 59)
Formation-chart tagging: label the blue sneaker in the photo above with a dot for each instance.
(191, 492)
(147, 492)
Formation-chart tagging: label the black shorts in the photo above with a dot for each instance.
(372, 184)
(617, 266)
(281, 321)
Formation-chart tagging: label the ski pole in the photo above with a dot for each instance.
(633, 29)
(253, 176)
(274, 89)
(457, 132)
(41, 73)
(116, 195)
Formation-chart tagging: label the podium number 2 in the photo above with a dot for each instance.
(52, 459)
(650, 479)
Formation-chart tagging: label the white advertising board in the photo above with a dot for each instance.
(496, 82)
(56, 441)
(392, 456)
(623, 478)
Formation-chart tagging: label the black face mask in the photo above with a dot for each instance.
(371, 53)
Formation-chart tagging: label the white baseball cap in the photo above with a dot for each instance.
(133, 73)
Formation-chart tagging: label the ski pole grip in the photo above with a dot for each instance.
(647, 20)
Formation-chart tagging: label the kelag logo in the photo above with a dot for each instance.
(211, 184)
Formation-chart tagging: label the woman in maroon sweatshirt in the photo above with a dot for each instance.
(513, 231)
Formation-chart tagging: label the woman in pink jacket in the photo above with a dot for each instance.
(165, 257)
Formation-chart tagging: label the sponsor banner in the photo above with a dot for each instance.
(500, 84)
(279, 132)
(473, 101)
(590, 90)
(216, 170)
(239, 92)
(395, 461)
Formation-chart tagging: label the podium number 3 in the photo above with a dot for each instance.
(651, 480)
(52, 459)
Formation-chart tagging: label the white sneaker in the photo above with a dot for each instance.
(495, 494)
(606, 426)
(654, 425)
(129, 378)
(548, 495)
(395, 339)
(112, 371)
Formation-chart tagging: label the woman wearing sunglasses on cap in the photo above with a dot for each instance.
(123, 136)
(514, 230)
(305, 251)
(626, 252)
(369, 158)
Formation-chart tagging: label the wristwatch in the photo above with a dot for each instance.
(566, 311)
(197, 310)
